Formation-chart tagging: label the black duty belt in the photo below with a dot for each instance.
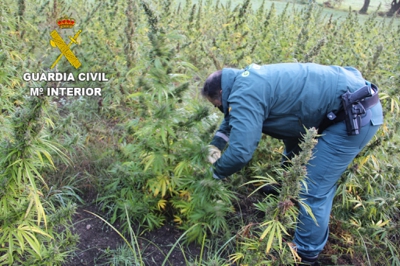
(333, 118)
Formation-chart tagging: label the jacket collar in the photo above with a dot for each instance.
(228, 79)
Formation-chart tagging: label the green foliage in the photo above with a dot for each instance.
(280, 212)
(147, 134)
(164, 172)
(36, 216)
(29, 220)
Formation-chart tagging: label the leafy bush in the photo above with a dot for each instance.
(31, 217)
(164, 172)
(149, 130)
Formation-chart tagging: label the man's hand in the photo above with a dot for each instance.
(213, 154)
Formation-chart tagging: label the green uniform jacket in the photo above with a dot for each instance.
(278, 100)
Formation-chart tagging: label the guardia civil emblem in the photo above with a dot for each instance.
(57, 41)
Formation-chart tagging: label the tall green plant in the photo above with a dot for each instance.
(165, 174)
(261, 243)
(26, 232)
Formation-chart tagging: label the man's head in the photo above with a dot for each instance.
(212, 89)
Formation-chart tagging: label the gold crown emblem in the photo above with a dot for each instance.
(65, 22)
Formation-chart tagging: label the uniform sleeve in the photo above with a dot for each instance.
(221, 137)
(245, 122)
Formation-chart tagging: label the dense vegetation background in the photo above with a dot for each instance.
(142, 145)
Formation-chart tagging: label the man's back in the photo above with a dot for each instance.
(289, 96)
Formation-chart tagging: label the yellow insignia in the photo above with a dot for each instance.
(57, 41)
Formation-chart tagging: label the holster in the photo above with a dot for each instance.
(354, 106)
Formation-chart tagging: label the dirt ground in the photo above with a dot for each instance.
(97, 238)
(94, 237)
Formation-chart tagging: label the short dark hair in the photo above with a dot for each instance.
(212, 86)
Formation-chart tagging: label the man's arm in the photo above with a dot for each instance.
(245, 124)
(221, 137)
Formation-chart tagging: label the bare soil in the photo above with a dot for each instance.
(96, 238)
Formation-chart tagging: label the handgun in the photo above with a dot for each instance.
(353, 108)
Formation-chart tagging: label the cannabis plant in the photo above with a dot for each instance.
(29, 218)
(165, 174)
(263, 242)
